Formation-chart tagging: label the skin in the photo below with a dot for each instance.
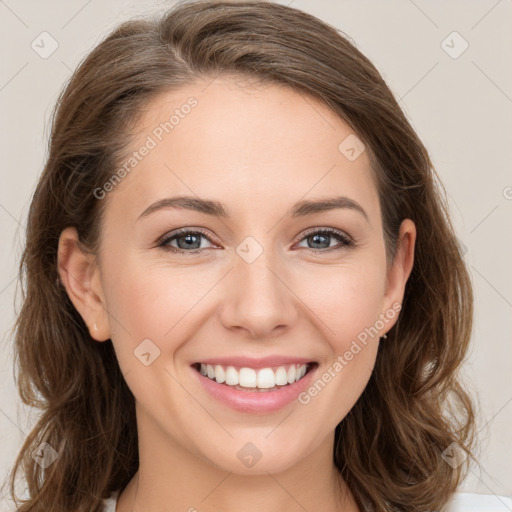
(258, 150)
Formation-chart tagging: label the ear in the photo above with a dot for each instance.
(399, 271)
(80, 276)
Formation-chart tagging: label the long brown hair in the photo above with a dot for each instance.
(389, 447)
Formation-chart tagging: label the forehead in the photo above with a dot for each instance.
(244, 144)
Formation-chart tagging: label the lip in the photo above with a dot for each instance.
(255, 402)
(256, 363)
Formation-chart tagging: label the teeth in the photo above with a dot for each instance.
(281, 376)
(291, 374)
(220, 374)
(264, 378)
(247, 377)
(232, 378)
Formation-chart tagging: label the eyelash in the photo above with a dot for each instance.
(344, 239)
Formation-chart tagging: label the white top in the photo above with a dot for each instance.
(109, 505)
(461, 502)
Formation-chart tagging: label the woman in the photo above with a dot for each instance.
(242, 283)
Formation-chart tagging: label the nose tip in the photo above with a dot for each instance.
(256, 299)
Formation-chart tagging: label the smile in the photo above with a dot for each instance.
(255, 385)
(251, 379)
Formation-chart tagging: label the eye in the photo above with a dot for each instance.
(321, 238)
(187, 241)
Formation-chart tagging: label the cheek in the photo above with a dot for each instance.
(147, 302)
(348, 305)
(151, 310)
(346, 299)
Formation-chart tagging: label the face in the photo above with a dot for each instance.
(256, 278)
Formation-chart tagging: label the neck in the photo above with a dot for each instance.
(171, 478)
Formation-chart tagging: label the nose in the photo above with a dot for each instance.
(257, 298)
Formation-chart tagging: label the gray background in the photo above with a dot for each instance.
(460, 105)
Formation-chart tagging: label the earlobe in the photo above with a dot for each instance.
(79, 275)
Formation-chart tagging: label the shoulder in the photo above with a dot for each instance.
(466, 502)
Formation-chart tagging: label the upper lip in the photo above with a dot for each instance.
(256, 362)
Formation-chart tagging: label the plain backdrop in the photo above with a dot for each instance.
(455, 88)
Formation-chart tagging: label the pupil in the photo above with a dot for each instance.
(318, 236)
(188, 238)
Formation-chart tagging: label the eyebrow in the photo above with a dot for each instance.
(217, 209)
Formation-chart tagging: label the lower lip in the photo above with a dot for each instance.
(255, 401)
